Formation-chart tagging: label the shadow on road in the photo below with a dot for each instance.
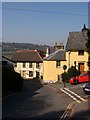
(53, 115)
(82, 115)
(32, 86)
(23, 105)
(29, 90)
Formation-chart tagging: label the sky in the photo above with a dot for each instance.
(42, 23)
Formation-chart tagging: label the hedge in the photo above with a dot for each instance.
(71, 72)
(11, 80)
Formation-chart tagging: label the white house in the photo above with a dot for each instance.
(29, 63)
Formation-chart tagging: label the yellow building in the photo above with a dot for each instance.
(75, 54)
(76, 51)
(53, 66)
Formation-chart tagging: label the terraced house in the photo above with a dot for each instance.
(29, 63)
(53, 64)
(74, 54)
(76, 51)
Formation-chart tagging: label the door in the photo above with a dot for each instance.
(24, 74)
(81, 67)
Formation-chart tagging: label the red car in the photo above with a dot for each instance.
(83, 77)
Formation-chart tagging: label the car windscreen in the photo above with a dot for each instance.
(88, 85)
(83, 74)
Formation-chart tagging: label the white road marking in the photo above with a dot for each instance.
(68, 92)
(75, 95)
(70, 95)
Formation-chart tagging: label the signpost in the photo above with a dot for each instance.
(64, 76)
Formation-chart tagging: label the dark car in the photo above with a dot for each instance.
(86, 88)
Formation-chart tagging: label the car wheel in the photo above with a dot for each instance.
(76, 82)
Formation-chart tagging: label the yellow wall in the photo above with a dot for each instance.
(78, 58)
(50, 71)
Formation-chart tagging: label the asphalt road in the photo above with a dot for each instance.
(36, 101)
(48, 101)
(81, 111)
(80, 108)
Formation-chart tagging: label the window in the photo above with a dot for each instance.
(30, 65)
(37, 65)
(37, 74)
(57, 63)
(80, 52)
(30, 73)
(24, 65)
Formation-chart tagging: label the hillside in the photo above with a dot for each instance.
(9, 48)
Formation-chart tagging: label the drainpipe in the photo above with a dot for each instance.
(69, 59)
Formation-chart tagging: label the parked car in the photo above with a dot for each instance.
(83, 77)
(86, 88)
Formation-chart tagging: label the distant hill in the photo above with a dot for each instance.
(9, 48)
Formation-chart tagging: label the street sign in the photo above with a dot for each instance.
(64, 67)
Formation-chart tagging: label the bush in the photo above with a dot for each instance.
(72, 72)
(11, 81)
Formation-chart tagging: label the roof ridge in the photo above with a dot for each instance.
(39, 55)
(75, 32)
(26, 50)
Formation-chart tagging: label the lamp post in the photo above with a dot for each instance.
(86, 34)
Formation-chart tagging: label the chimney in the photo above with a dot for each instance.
(58, 46)
(47, 52)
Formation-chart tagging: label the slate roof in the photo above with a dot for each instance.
(58, 55)
(27, 56)
(76, 41)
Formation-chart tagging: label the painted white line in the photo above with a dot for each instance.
(75, 94)
(70, 95)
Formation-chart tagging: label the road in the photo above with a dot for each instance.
(36, 101)
(48, 101)
(81, 110)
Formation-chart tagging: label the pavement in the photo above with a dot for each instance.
(59, 85)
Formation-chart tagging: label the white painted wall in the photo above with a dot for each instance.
(20, 69)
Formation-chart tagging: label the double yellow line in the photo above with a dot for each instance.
(67, 112)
